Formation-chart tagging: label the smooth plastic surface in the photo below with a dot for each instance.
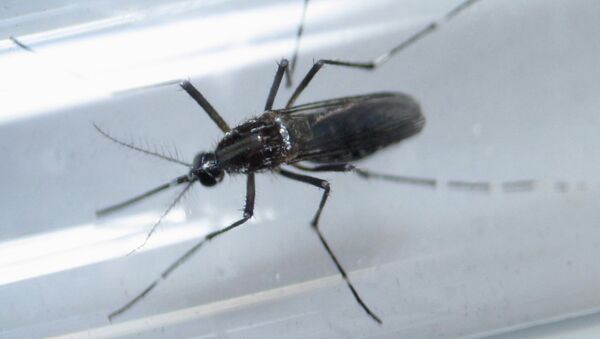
(509, 89)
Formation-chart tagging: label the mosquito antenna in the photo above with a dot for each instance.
(290, 70)
(162, 216)
(139, 149)
(129, 202)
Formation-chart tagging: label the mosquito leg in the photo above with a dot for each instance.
(290, 71)
(315, 225)
(383, 58)
(211, 111)
(519, 185)
(248, 212)
(475, 186)
(366, 174)
(281, 68)
(21, 44)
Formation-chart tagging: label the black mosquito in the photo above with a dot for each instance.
(330, 134)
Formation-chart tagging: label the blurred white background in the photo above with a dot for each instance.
(510, 91)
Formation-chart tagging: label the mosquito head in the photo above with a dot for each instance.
(206, 169)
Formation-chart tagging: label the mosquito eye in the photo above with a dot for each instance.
(206, 179)
(210, 178)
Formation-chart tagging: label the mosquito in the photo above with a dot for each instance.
(329, 134)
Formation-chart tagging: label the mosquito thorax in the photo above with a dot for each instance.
(206, 169)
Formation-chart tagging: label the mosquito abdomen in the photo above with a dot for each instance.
(357, 128)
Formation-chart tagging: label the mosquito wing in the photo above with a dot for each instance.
(351, 128)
